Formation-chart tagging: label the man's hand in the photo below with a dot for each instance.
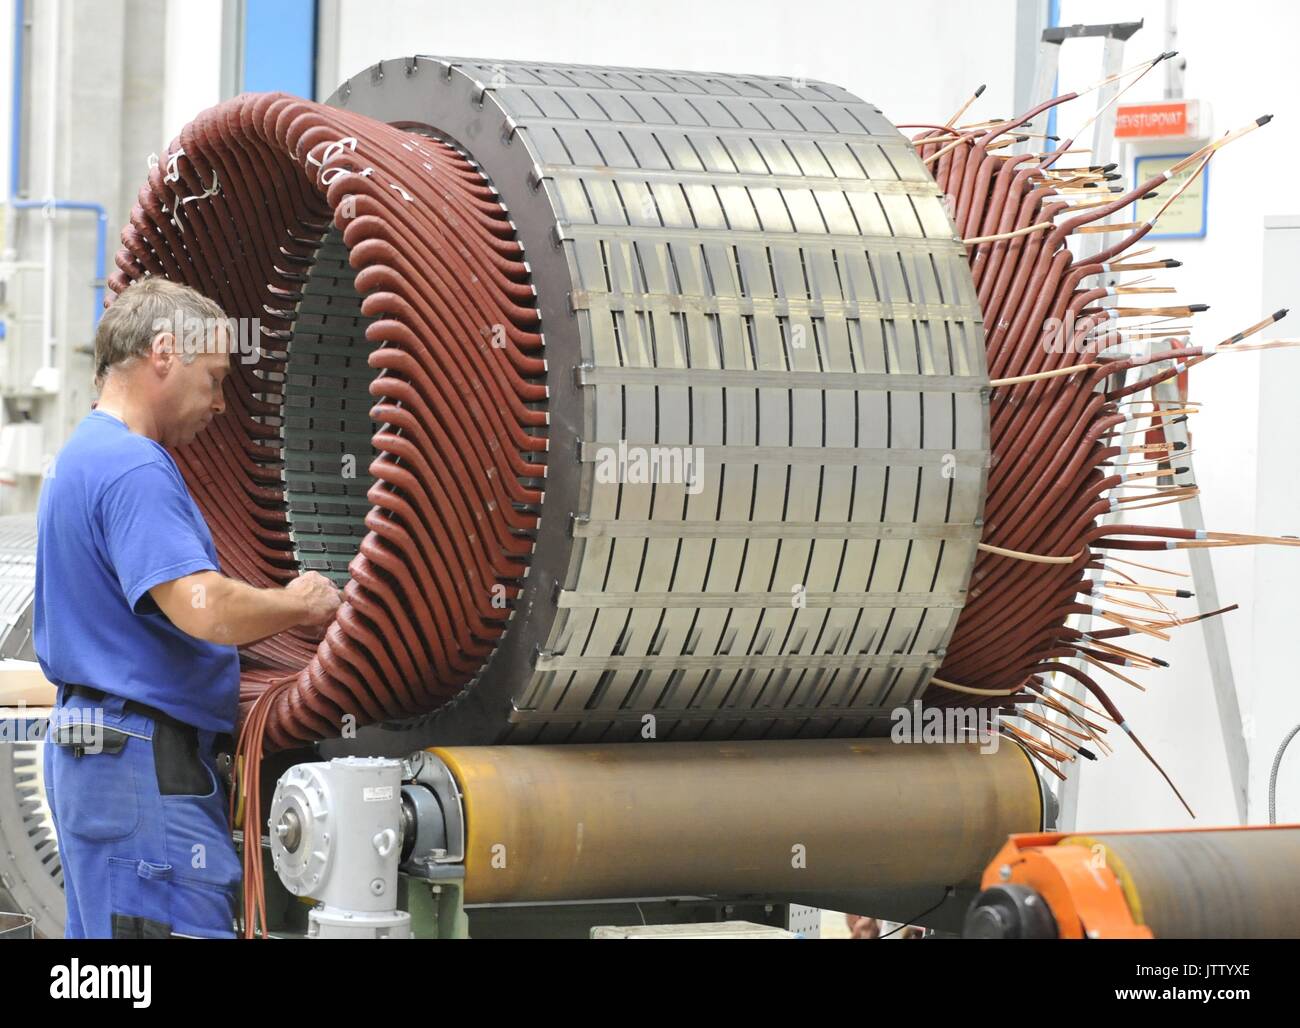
(217, 609)
(320, 598)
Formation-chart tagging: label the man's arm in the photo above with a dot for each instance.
(162, 560)
(217, 609)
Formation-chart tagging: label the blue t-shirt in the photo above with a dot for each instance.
(115, 520)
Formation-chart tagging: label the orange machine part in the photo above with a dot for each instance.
(1084, 894)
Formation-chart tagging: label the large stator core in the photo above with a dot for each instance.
(751, 486)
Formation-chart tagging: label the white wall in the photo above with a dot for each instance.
(6, 91)
(867, 47)
(191, 33)
(1273, 700)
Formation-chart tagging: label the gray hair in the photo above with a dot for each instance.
(143, 309)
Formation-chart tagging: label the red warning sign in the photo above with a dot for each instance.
(1172, 119)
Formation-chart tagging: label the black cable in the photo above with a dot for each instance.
(948, 891)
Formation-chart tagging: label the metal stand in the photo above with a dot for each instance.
(436, 904)
(1049, 61)
(1216, 639)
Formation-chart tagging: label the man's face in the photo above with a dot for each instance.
(194, 391)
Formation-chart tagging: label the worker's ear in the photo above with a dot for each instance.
(162, 352)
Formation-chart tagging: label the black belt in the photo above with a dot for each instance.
(223, 743)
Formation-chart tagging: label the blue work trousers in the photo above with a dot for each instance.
(140, 859)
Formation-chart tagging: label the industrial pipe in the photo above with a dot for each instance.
(762, 818)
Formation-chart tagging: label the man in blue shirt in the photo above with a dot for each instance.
(138, 628)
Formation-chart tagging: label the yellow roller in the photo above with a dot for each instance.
(772, 817)
(1229, 883)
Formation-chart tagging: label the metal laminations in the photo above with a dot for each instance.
(753, 281)
(326, 417)
(31, 877)
(17, 585)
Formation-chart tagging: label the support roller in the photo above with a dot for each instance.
(1215, 883)
(771, 818)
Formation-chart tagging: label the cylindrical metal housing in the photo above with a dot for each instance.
(335, 832)
(752, 282)
(767, 818)
(1233, 883)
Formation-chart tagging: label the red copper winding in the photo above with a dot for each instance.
(1051, 438)
(458, 392)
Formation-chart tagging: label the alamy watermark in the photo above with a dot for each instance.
(75, 980)
(643, 465)
(82, 727)
(920, 724)
(195, 335)
(1085, 337)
